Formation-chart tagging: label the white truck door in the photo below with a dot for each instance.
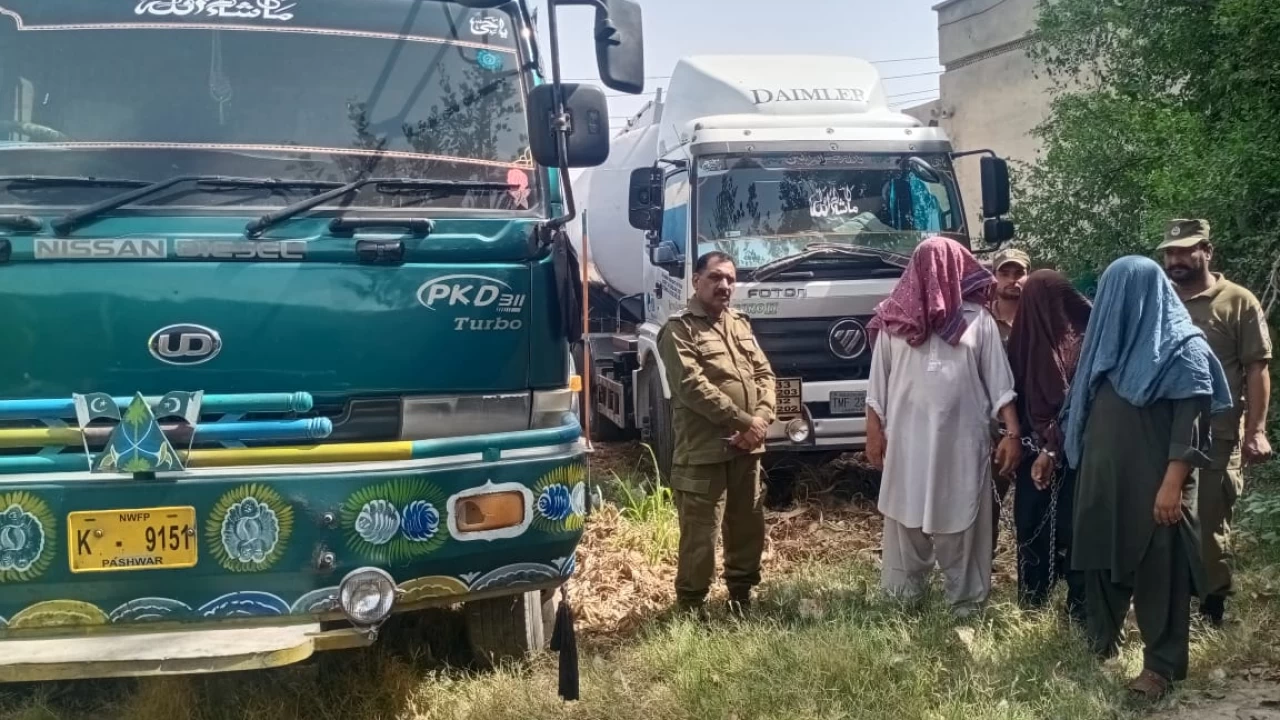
(665, 275)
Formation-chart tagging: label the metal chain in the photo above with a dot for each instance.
(1051, 513)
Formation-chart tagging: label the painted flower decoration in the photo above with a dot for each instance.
(554, 503)
(250, 531)
(21, 539)
(420, 521)
(378, 522)
(579, 499)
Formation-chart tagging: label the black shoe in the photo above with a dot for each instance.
(740, 607)
(696, 609)
(1213, 609)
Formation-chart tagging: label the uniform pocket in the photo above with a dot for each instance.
(697, 479)
(711, 349)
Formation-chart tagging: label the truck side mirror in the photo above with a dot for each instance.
(665, 254)
(997, 232)
(644, 199)
(619, 35)
(995, 187)
(588, 143)
(620, 46)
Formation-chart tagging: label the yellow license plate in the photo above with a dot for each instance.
(788, 392)
(147, 539)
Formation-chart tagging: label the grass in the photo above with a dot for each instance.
(822, 644)
(648, 507)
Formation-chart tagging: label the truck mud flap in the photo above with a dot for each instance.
(611, 400)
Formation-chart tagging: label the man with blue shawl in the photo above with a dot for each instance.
(1136, 426)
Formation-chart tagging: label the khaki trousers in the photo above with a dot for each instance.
(1219, 489)
(725, 498)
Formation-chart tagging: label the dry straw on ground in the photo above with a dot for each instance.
(617, 589)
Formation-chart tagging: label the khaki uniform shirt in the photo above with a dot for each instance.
(1005, 327)
(720, 380)
(1235, 325)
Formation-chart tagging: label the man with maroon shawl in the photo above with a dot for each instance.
(939, 374)
(1044, 347)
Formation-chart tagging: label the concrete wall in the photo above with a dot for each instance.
(990, 98)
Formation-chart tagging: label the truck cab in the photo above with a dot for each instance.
(797, 168)
(288, 336)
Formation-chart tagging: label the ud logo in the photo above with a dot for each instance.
(185, 344)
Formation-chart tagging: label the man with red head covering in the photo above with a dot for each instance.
(939, 374)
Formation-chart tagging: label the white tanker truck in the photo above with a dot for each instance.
(797, 167)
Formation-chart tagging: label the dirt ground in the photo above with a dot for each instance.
(1243, 700)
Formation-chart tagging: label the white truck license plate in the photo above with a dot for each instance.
(848, 402)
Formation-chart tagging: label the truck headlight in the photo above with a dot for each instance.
(426, 417)
(549, 406)
(799, 430)
(366, 595)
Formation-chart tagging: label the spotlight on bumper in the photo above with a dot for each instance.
(367, 595)
(799, 430)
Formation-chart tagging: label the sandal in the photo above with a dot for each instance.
(1149, 686)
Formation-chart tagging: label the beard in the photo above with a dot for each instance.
(1013, 292)
(1183, 274)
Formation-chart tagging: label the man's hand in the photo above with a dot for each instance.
(875, 447)
(751, 438)
(1168, 510)
(1042, 471)
(1008, 455)
(1256, 449)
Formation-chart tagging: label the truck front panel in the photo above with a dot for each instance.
(215, 404)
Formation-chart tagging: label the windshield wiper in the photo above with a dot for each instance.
(230, 183)
(72, 220)
(383, 185)
(35, 181)
(781, 265)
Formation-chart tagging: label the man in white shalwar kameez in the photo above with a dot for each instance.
(939, 375)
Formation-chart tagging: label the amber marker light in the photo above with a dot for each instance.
(490, 511)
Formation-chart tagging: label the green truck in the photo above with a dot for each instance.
(289, 310)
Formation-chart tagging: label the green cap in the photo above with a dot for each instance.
(1185, 234)
(1011, 255)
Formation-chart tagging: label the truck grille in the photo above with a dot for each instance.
(803, 348)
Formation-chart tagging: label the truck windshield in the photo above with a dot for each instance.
(312, 90)
(765, 207)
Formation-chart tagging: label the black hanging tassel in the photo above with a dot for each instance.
(564, 640)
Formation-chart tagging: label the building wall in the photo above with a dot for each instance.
(990, 97)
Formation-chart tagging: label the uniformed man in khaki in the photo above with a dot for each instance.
(1235, 325)
(1010, 266)
(723, 401)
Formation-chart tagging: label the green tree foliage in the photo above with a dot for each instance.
(1162, 109)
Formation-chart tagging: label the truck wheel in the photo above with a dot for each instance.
(511, 627)
(662, 434)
